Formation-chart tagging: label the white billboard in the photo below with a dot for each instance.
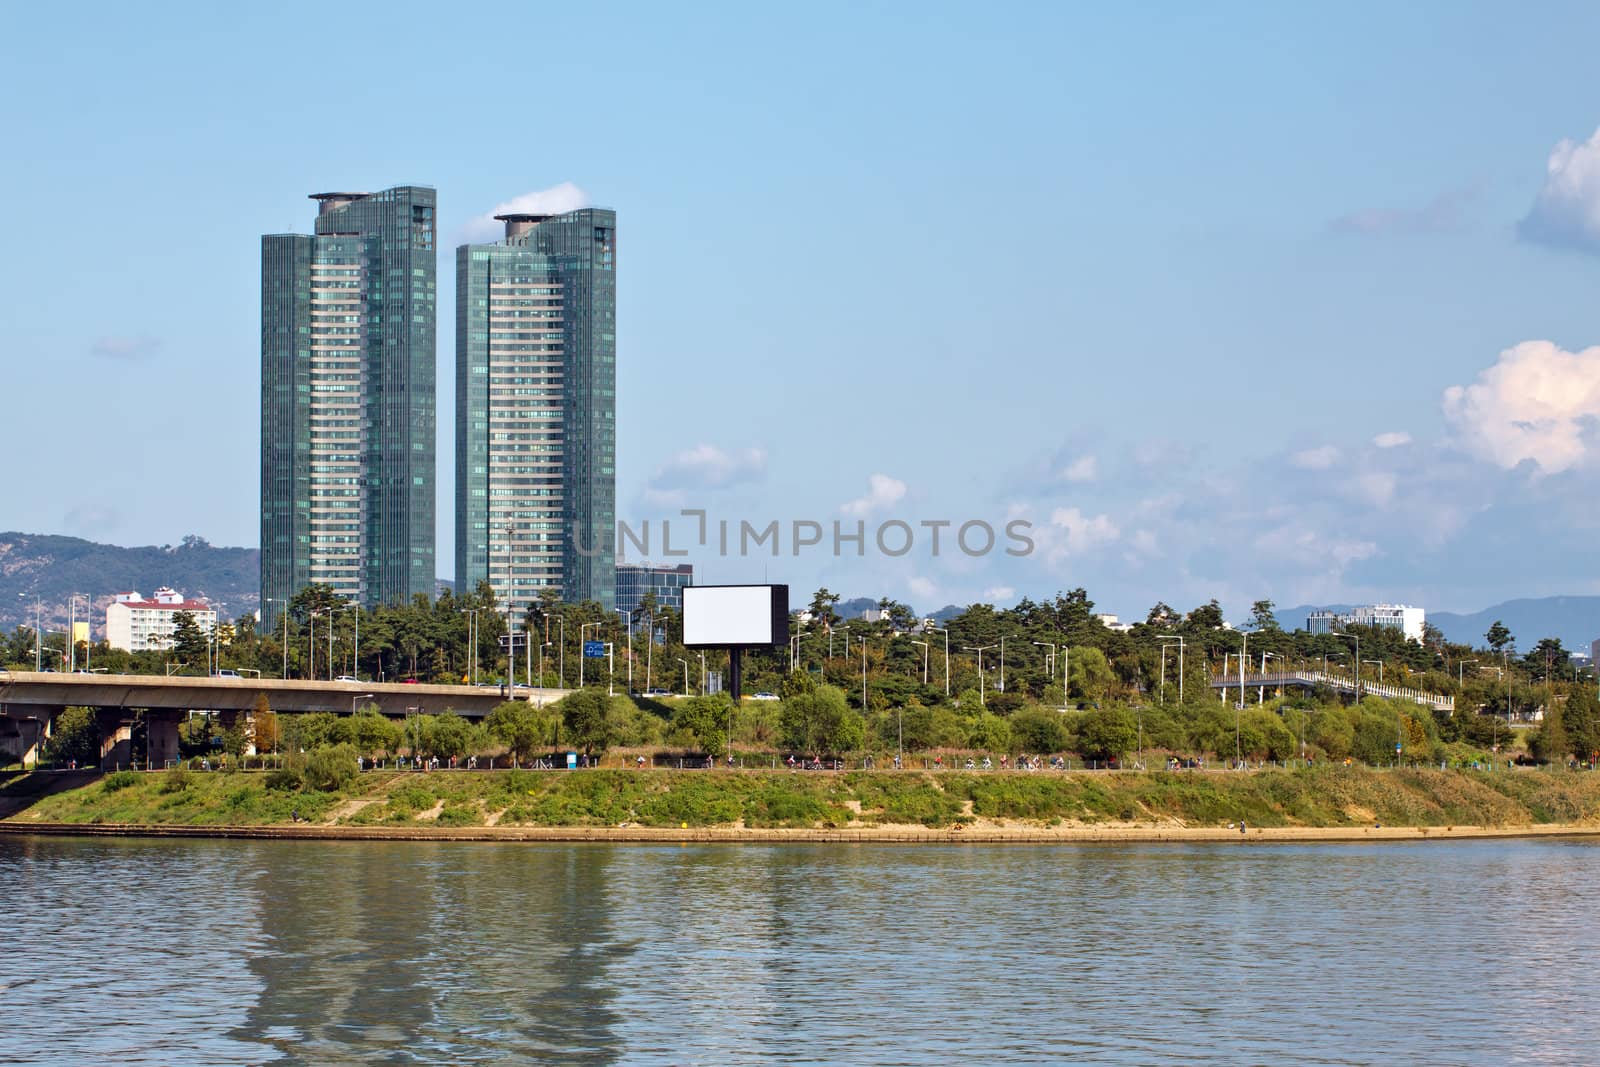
(735, 616)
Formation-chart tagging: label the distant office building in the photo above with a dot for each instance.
(536, 389)
(1115, 625)
(347, 400)
(635, 580)
(1400, 617)
(135, 624)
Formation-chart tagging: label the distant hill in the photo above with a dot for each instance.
(52, 568)
(1574, 619)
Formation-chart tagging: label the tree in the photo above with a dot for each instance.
(1038, 730)
(189, 643)
(1091, 674)
(1161, 615)
(822, 603)
(815, 722)
(706, 717)
(521, 727)
(450, 735)
(264, 725)
(1107, 733)
(1261, 616)
(1581, 720)
(1499, 637)
(583, 715)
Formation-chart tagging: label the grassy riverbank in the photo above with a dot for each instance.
(1326, 797)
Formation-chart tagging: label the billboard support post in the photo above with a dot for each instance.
(735, 674)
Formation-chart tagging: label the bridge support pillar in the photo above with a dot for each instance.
(116, 740)
(23, 730)
(163, 736)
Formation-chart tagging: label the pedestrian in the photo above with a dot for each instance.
(1241, 827)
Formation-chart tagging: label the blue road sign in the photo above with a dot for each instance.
(594, 650)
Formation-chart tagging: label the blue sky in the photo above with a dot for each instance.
(1188, 290)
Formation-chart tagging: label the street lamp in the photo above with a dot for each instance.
(925, 645)
(285, 603)
(685, 676)
(979, 649)
(946, 632)
(72, 630)
(1379, 662)
(629, 616)
(358, 696)
(472, 644)
(583, 628)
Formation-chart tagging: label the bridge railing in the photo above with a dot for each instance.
(1341, 682)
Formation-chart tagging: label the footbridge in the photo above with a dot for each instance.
(1340, 683)
(30, 701)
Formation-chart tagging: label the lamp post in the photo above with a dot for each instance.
(629, 617)
(685, 676)
(863, 675)
(1049, 658)
(358, 696)
(583, 628)
(702, 674)
(946, 632)
(311, 644)
(472, 645)
(275, 600)
(1166, 639)
(979, 649)
(1379, 662)
(925, 645)
(611, 672)
(72, 631)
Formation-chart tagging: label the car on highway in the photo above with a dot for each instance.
(226, 674)
(764, 696)
(348, 678)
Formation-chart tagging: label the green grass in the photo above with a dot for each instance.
(1326, 796)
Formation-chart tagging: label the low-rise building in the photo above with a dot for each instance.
(1402, 617)
(135, 624)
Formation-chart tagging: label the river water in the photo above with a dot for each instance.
(286, 952)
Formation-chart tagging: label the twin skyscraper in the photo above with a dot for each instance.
(349, 414)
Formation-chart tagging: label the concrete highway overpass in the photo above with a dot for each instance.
(30, 701)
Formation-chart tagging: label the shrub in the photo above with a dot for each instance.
(284, 779)
(332, 768)
(120, 780)
(177, 780)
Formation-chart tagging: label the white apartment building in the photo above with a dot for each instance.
(1402, 617)
(135, 624)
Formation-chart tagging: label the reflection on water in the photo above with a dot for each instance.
(168, 952)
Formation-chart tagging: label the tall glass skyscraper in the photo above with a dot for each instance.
(348, 400)
(536, 404)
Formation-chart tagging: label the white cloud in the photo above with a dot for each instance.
(1316, 459)
(922, 587)
(1440, 215)
(1080, 533)
(1299, 544)
(1393, 439)
(552, 201)
(882, 492)
(1376, 487)
(131, 349)
(1536, 403)
(1567, 209)
(705, 467)
(1082, 469)
(996, 593)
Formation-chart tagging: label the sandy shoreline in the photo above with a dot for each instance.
(992, 833)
